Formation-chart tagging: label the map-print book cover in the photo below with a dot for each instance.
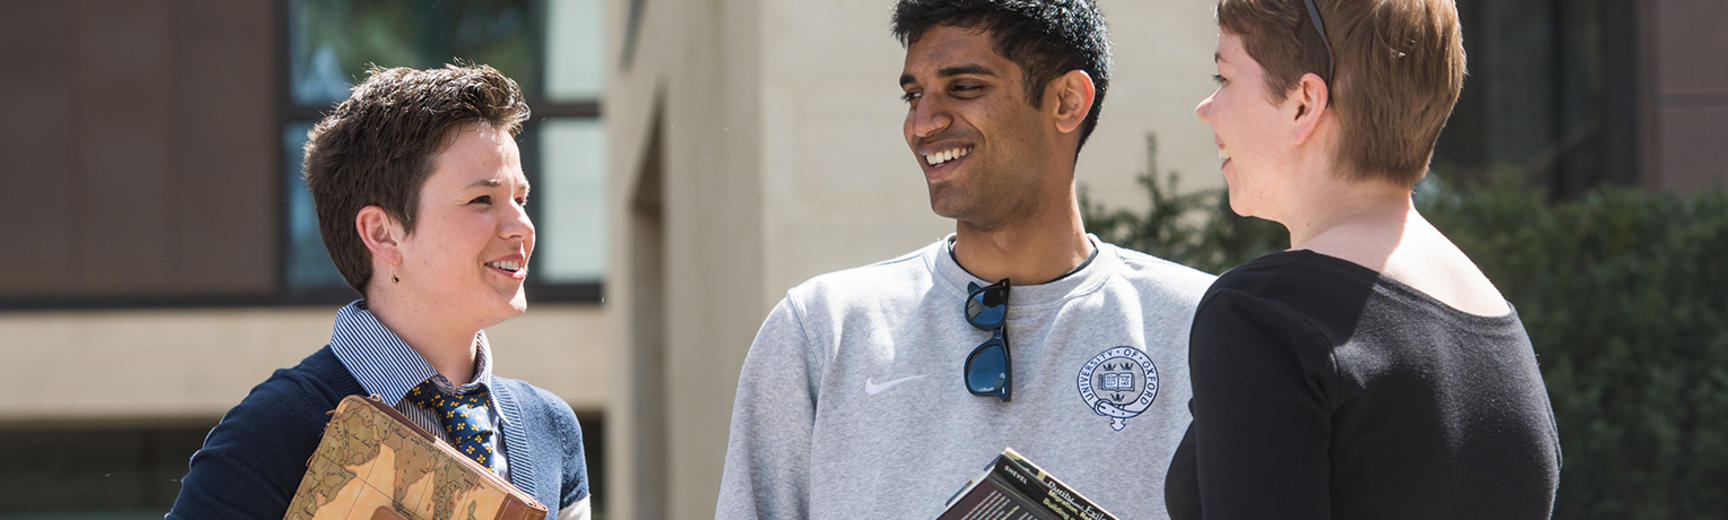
(1013, 488)
(371, 457)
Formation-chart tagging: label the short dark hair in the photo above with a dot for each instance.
(1045, 38)
(376, 148)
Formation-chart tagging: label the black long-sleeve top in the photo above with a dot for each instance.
(1325, 390)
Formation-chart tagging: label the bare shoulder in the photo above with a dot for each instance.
(1429, 262)
(1419, 256)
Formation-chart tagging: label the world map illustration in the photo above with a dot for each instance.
(369, 460)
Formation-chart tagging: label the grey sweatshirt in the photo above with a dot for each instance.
(852, 403)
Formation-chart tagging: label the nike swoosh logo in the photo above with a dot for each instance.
(871, 387)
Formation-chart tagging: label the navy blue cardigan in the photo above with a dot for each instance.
(252, 461)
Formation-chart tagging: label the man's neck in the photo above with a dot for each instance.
(452, 352)
(1030, 251)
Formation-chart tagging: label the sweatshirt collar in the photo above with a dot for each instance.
(1089, 277)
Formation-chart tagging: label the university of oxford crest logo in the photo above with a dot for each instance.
(1119, 383)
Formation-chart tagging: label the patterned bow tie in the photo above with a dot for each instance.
(466, 421)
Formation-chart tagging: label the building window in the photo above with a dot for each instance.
(123, 471)
(1549, 96)
(102, 471)
(551, 49)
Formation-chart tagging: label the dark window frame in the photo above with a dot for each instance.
(280, 293)
(1609, 153)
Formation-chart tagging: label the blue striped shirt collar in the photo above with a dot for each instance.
(386, 366)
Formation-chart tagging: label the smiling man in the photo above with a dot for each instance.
(876, 392)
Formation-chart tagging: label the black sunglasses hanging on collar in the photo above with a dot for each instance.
(989, 369)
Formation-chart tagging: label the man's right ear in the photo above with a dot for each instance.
(379, 232)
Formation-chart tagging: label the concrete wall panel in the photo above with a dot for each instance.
(36, 223)
(1692, 48)
(122, 178)
(1693, 155)
(155, 364)
(225, 166)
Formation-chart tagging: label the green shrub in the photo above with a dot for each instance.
(1625, 296)
(1195, 229)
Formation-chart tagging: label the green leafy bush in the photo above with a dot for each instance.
(1195, 229)
(1625, 295)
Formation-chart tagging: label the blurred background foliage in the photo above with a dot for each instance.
(1624, 293)
(345, 37)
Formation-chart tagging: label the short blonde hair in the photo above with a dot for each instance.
(1399, 68)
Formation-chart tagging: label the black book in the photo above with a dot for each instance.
(1013, 488)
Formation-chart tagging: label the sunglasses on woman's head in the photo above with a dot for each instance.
(1320, 27)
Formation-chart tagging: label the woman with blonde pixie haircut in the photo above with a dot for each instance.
(1371, 370)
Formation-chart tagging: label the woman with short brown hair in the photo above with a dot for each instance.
(1371, 370)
